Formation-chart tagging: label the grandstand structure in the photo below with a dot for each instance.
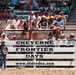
(61, 56)
(70, 24)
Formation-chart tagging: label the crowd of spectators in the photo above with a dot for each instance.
(50, 15)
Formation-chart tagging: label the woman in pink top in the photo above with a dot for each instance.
(21, 24)
(16, 22)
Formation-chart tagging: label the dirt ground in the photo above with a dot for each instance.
(37, 71)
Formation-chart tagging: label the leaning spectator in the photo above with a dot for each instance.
(63, 17)
(57, 30)
(43, 24)
(4, 37)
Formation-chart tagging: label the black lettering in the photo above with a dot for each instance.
(41, 42)
(27, 56)
(32, 49)
(22, 42)
(27, 49)
(17, 49)
(18, 42)
(22, 49)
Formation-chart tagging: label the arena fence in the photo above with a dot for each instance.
(34, 34)
(40, 54)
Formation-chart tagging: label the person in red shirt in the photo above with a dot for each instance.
(57, 30)
(4, 14)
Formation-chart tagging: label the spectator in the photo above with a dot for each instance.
(4, 5)
(53, 4)
(14, 2)
(4, 37)
(4, 15)
(13, 37)
(51, 21)
(25, 29)
(12, 14)
(36, 5)
(4, 52)
(57, 30)
(21, 24)
(35, 23)
(62, 37)
(50, 7)
(16, 22)
(59, 3)
(63, 17)
(24, 6)
(60, 22)
(71, 40)
(71, 37)
(43, 24)
(32, 16)
(65, 8)
(12, 26)
(57, 9)
(17, 6)
(41, 11)
(49, 12)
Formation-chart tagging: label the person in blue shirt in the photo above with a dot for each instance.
(14, 2)
(60, 22)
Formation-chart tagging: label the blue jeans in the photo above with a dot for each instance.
(3, 60)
